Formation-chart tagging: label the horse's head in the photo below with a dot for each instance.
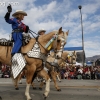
(72, 58)
(59, 42)
(54, 40)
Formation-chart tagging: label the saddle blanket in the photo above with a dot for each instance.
(18, 63)
(36, 52)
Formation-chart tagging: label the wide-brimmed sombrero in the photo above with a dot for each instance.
(41, 30)
(19, 12)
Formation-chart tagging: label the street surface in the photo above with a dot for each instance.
(70, 90)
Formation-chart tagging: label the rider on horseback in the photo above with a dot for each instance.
(17, 26)
(41, 31)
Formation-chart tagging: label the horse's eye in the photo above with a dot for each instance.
(58, 40)
(73, 58)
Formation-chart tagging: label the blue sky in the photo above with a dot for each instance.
(53, 14)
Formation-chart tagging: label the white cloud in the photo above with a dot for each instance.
(90, 52)
(91, 8)
(75, 42)
(3, 34)
(91, 47)
(74, 14)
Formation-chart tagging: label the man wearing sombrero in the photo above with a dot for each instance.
(17, 27)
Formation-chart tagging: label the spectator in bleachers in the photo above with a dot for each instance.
(92, 74)
(88, 74)
(79, 73)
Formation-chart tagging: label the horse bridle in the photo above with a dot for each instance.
(56, 36)
(62, 38)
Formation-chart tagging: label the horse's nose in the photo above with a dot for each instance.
(57, 56)
(73, 58)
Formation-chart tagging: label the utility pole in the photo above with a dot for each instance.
(80, 7)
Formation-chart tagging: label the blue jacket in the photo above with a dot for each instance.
(17, 36)
(16, 23)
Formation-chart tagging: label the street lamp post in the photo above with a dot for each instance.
(80, 7)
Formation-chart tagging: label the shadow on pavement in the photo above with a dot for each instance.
(0, 98)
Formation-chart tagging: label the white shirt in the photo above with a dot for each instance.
(80, 70)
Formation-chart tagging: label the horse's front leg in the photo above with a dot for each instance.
(29, 75)
(27, 91)
(41, 85)
(20, 78)
(45, 75)
(15, 81)
(33, 86)
(53, 75)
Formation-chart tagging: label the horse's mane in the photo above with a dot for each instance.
(69, 51)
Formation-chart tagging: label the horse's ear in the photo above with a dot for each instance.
(60, 29)
(67, 32)
(74, 52)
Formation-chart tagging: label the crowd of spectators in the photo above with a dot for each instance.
(5, 71)
(79, 72)
(70, 72)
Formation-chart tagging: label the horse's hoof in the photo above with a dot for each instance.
(16, 88)
(29, 99)
(40, 88)
(59, 90)
(34, 88)
(44, 97)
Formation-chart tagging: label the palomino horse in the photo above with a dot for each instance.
(51, 68)
(61, 63)
(73, 57)
(35, 64)
(67, 57)
(55, 69)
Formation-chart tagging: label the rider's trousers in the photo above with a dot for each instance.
(17, 38)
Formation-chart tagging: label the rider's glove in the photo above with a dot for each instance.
(27, 29)
(9, 8)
